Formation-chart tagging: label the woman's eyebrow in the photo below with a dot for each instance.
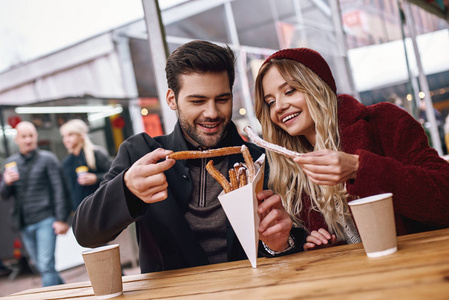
(279, 88)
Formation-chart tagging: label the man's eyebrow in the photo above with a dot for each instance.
(279, 88)
(197, 96)
(224, 95)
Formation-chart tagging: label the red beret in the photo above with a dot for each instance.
(311, 59)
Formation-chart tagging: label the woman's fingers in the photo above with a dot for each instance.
(316, 238)
(308, 246)
(328, 167)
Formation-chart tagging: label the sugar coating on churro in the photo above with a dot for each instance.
(259, 162)
(269, 146)
(180, 155)
(233, 179)
(249, 163)
(242, 177)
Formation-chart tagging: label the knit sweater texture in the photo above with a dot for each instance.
(395, 157)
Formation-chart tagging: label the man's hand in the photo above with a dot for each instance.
(275, 223)
(328, 167)
(10, 176)
(146, 178)
(87, 179)
(60, 227)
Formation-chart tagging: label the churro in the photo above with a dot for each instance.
(233, 179)
(242, 177)
(218, 176)
(249, 163)
(180, 155)
(269, 146)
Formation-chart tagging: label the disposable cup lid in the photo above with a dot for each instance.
(100, 249)
(370, 199)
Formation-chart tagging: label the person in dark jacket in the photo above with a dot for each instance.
(179, 220)
(34, 178)
(85, 166)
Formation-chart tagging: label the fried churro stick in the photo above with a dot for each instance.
(218, 176)
(204, 154)
(233, 179)
(242, 177)
(269, 146)
(249, 163)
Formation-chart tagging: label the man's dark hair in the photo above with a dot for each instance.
(199, 57)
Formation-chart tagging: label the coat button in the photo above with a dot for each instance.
(185, 177)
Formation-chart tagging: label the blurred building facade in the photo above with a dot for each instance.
(109, 80)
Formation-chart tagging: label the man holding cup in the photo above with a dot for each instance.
(34, 178)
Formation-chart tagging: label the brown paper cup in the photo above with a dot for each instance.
(374, 218)
(104, 270)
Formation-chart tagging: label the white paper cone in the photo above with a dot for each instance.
(240, 206)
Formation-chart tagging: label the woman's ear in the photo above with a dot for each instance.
(171, 99)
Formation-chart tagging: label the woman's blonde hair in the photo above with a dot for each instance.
(79, 127)
(286, 178)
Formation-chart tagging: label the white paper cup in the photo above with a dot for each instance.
(104, 270)
(12, 166)
(374, 218)
(81, 170)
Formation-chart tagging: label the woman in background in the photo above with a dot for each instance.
(86, 164)
(350, 151)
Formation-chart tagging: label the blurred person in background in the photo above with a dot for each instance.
(422, 118)
(34, 178)
(86, 165)
(396, 100)
(349, 150)
(4, 271)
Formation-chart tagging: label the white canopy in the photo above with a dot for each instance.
(384, 64)
(88, 68)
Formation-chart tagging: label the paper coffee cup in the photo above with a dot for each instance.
(374, 218)
(12, 166)
(104, 270)
(81, 170)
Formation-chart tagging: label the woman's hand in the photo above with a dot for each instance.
(87, 179)
(275, 222)
(319, 239)
(329, 167)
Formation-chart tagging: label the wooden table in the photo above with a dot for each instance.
(419, 270)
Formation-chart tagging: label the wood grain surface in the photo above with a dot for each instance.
(418, 270)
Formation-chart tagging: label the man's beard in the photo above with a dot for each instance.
(203, 139)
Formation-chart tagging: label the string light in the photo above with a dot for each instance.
(144, 111)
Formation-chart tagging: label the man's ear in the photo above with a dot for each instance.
(171, 100)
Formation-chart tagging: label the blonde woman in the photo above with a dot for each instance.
(350, 151)
(86, 164)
